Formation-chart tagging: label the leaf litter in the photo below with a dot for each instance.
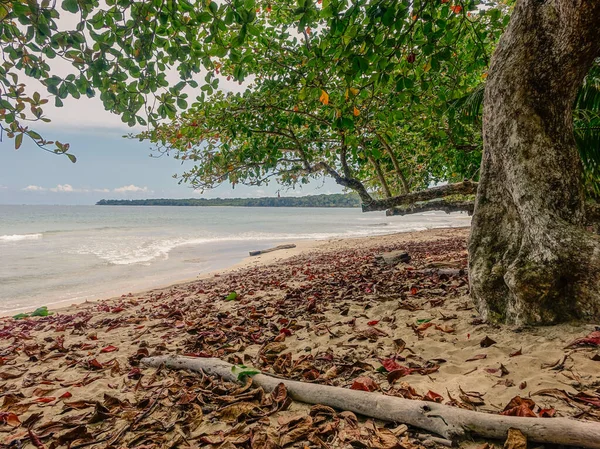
(334, 317)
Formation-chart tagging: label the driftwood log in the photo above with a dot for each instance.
(263, 251)
(449, 422)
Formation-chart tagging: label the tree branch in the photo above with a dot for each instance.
(460, 188)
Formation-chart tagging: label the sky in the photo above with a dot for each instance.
(108, 166)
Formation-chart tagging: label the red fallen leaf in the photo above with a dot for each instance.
(45, 400)
(117, 309)
(87, 346)
(10, 419)
(373, 322)
(433, 397)
(35, 440)
(390, 365)
(65, 395)
(588, 399)
(519, 406)
(592, 339)
(398, 373)
(516, 353)
(413, 290)
(522, 410)
(477, 357)
(424, 326)
(286, 332)
(109, 348)
(546, 413)
(364, 384)
(95, 364)
(135, 373)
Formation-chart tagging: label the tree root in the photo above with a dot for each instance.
(449, 422)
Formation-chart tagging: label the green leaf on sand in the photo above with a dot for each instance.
(231, 296)
(242, 370)
(40, 311)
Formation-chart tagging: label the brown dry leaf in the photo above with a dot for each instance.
(297, 433)
(262, 440)
(515, 440)
(477, 357)
(486, 342)
(234, 411)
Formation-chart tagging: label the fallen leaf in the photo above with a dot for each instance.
(364, 384)
(592, 339)
(515, 440)
(486, 342)
(477, 357)
(433, 397)
(109, 348)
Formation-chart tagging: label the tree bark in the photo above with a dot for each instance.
(530, 258)
(380, 176)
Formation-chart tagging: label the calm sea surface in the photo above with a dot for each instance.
(61, 254)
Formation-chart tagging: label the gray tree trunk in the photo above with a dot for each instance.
(530, 258)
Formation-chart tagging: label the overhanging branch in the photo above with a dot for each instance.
(459, 188)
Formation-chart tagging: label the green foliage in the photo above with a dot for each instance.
(347, 91)
(355, 90)
(40, 311)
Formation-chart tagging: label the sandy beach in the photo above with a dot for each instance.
(324, 312)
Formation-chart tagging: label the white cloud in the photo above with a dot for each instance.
(62, 188)
(32, 188)
(131, 188)
(101, 190)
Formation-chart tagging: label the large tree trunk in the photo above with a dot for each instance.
(530, 258)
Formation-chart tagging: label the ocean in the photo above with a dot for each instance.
(58, 255)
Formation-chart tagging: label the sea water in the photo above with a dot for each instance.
(57, 255)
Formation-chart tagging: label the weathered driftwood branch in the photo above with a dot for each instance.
(442, 205)
(449, 422)
(459, 188)
(262, 251)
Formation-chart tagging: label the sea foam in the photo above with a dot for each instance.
(19, 237)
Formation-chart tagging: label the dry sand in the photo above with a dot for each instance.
(322, 312)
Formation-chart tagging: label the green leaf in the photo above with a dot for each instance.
(18, 141)
(71, 6)
(20, 316)
(41, 311)
(231, 296)
(241, 371)
(72, 157)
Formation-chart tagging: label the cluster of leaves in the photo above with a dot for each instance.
(122, 49)
(358, 92)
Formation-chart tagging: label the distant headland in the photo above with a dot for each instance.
(333, 200)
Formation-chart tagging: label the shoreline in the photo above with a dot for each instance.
(302, 246)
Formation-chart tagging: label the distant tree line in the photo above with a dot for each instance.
(335, 200)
